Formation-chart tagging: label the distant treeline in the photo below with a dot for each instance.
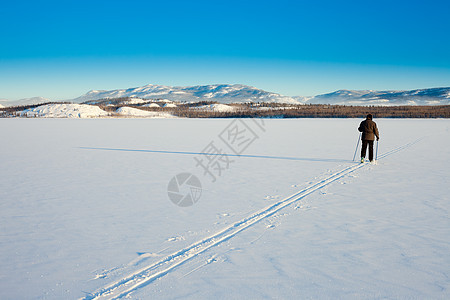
(265, 110)
(325, 111)
(277, 110)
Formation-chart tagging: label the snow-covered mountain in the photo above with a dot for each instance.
(25, 101)
(432, 96)
(223, 93)
(238, 93)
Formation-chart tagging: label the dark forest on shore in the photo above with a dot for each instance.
(262, 110)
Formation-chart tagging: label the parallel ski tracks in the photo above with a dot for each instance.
(156, 270)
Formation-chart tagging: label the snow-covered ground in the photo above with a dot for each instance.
(85, 210)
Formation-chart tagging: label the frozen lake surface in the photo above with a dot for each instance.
(85, 209)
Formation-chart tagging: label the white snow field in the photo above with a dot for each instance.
(85, 212)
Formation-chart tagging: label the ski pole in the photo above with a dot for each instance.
(357, 145)
(376, 153)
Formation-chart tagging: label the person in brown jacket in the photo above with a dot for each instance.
(369, 132)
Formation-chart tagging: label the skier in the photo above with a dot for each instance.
(369, 132)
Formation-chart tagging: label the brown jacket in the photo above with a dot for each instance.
(369, 130)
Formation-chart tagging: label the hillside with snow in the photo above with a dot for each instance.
(223, 93)
(25, 101)
(139, 113)
(216, 108)
(64, 111)
(432, 96)
(238, 93)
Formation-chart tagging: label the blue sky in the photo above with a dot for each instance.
(62, 49)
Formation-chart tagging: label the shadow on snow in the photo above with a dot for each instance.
(220, 154)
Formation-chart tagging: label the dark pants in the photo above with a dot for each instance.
(366, 143)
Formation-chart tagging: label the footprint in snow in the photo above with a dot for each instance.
(99, 276)
(303, 207)
(270, 197)
(175, 238)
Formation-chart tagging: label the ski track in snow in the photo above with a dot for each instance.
(148, 274)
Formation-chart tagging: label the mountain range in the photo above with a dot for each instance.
(238, 93)
(222, 93)
(432, 96)
(25, 101)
